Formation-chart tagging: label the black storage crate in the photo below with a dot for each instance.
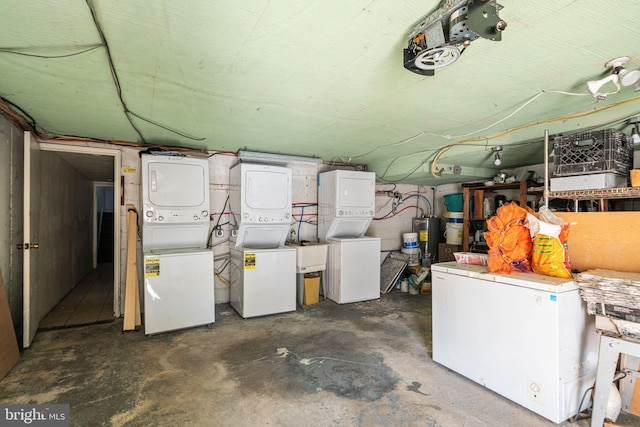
(600, 151)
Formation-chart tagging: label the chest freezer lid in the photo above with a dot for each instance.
(527, 280)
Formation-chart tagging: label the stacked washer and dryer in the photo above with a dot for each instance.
(346, 206)
(178, 267)
(263, 269)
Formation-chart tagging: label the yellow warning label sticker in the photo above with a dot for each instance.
(129, 170)
(249, 261)
(152, 267)
(424, 235)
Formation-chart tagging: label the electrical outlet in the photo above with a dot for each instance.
(234, 233)
(219, 232)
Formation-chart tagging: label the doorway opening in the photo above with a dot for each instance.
(95, 298)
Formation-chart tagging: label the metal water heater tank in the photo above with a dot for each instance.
(428, 230)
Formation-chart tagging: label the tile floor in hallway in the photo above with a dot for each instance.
(90, 301)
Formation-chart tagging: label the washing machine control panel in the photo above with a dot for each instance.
(152, 215)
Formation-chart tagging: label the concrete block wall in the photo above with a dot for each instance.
(392, 221)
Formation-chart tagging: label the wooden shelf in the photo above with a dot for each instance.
(477, 193)
(602, 193)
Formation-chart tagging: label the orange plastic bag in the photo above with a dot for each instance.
(509, 240)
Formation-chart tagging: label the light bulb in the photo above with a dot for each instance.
(635, 136)
(497, 162)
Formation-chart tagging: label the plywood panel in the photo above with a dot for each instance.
(9, 353)
(606, 240)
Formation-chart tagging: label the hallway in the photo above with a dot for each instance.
(90, 301)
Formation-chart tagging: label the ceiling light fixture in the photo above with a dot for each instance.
(635, 134)
(619, 75)
(259, 157)
(497, 149)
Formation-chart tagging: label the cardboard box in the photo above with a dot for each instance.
(446, 251)
(635, 177)
(414, 269)
(311, 289)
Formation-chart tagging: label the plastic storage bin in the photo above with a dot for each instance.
(454, 202)
(471, 258)
(601, 151)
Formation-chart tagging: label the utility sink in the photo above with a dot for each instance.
(310, 257)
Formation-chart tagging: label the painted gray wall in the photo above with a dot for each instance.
(11, 183)
(65, 224)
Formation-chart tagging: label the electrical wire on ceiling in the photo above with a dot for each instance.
(443, 150)
(447, 136)
(33, 55)
(20, 117)
(437, 153)
(114, 74)
(31, 125)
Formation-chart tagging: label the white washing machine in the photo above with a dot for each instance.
(263, 281)
(263, 273)
(353, 269)
(175, 202)
(260, 205)
(178, 289)
(179, 272)
(346, 205)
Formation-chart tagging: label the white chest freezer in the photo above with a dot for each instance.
(178, 290)
(525, 336)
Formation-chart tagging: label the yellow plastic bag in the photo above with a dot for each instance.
(550, 253)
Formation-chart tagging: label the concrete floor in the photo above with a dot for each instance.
(362, 364)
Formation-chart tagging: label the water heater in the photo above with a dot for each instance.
(428, 230)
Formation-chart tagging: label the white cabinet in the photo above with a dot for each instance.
(525, 336)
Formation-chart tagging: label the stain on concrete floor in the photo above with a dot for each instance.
(310, 362)
(361, 364)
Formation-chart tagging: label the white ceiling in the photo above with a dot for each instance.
(315, 78)
(95, 168)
